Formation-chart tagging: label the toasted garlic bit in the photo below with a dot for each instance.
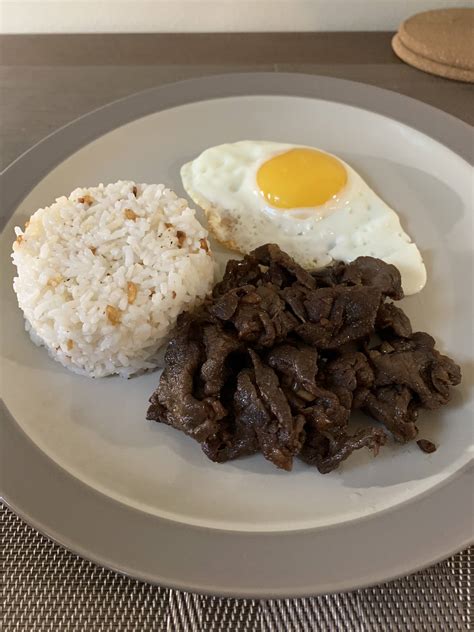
(86, 199)
(70, 344)
(93, 249)
(135, 191)
(131, 292)
(152, 292)
(113, 314)
(129, 214)
(55, 281)
(168, 225)
(204, 244)
(173, 294)
(181, 238)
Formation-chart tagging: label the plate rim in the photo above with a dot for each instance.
(27, 170)
(14, 441)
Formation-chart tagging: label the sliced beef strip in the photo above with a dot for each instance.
(297, 367)
(277, 275)
(268, 263)
(286, 428)
(393, 406)
(298, 402)
(327, 452)
(239, 436)
(257, 313)
(349, 376)
(276, 320)
(258, 424)
(271, 254)
(371, 272)
(225, 305)
(329, 276)
(174, 402)
(415, 363)
(350, 370)
(339, 315)
(218, 346)
(295, 296)
(363, 271)
(327, 442)
(251, 410)
(393, 320)
(246, 318)
(229, 443)
(444, 374)
(326, 413)
(240, 272)
(409, 375)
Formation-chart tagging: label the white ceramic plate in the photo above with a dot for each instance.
(81, 463)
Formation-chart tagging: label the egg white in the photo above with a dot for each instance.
(223, 181)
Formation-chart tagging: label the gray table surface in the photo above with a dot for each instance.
(47, 81)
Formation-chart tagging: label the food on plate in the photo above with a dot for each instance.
(103, 274)
(278, 358)
(313, 204)
(426, 446)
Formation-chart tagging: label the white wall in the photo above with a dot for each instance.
(73, 16)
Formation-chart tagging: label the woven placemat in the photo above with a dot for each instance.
(46, 588)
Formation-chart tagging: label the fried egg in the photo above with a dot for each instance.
(311, 203)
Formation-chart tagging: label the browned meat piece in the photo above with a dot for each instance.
(265, 264)
(350, 370)
(174, 402)
(327, 452)
(277, 439)
(286, 430)
(278, 358)
(349, 376)
(218, 346)
(225, 305)
(276, 321)
(297, 367)
(393, 406)
(262, 421)
(374, 273)
(392, 319)
(295, 296)
(338, 315)
(326, 413)
(330, 275)
(250, 412)
(238, 437)
(409, 375)
(415, 363)
(271, 255)
(238, 273)
(327, 443)
(426, 446)
(240, 307)
(231, 442)
(363, 271)
(257, 313)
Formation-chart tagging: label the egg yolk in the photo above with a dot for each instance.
(300, 178)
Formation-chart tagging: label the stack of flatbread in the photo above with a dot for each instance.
(439, 42)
